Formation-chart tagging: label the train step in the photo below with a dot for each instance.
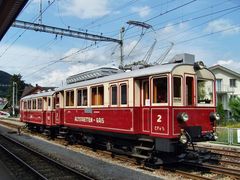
(63, 132)
(140, 156)
(60, 137)
(146, 140)
(144, 148)
(46, 132)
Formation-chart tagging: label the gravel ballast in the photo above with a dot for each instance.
(94, 167)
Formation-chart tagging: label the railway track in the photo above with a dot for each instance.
(208, 170)
(215, 169)
(39, 166)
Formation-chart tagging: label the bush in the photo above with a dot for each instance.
(234, 105)
(220, 111)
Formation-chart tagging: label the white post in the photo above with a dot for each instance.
(13, 99)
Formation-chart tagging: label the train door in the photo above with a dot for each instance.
(57, 119)
(145, 103)
(189, 90)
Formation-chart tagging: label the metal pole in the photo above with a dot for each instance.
(13, 99)
(16, 95)
(121, 46)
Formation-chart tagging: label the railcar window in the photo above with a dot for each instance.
(189, 91)
(34, 103)
(70, 98)
(146, 93)
(160, 90)
(97, 95)
(82, 97)
(123, 89)
(25, 104)
(39, 103)
(29, 104)
(205, 91)
(49, 101)
(177, 89)
(114, 95)
(56, 101)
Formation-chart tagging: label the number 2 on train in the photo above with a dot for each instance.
(159, 119)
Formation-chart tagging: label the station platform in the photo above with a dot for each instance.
(15, 121)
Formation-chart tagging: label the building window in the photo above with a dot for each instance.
(82, 97)
(232, 82)
(123, 89)
(219, 84)
(205, 91)
(114, 95)
(177, 92)
(39, 103)
(160, 90)
(70, 98)
(34, 103)
(97, 95)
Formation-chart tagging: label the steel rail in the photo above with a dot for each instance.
(23, 163)
(192, 176)
(218, 149)
(53, 162)
(215, 169)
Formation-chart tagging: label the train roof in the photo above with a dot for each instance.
(41, 94)
(157, 69)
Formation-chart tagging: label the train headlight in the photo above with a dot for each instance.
(214, 116)
(182, 117)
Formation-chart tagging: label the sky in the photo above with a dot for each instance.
(209, 29)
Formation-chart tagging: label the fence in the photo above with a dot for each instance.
(228, 136)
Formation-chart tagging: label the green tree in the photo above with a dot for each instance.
(19, 86)
(234, 105)
(221, 112)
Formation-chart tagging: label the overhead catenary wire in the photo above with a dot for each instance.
(235, 8)
(189, 14)
(181, 42)
(177, 33)
(130, 14)
(25, 30)
(60, 59)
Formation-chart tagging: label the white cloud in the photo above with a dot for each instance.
(221, 25)
(231, 64)
(58, 77)
(225, 62)
(85, 9)
(142, 11)
(28, 62)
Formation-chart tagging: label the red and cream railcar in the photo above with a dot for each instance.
(162, 104)
(38, 110)
(155, 109)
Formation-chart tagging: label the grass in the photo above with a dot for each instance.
(229, 124)
(224, 132)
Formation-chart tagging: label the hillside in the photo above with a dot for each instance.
(4, 80)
